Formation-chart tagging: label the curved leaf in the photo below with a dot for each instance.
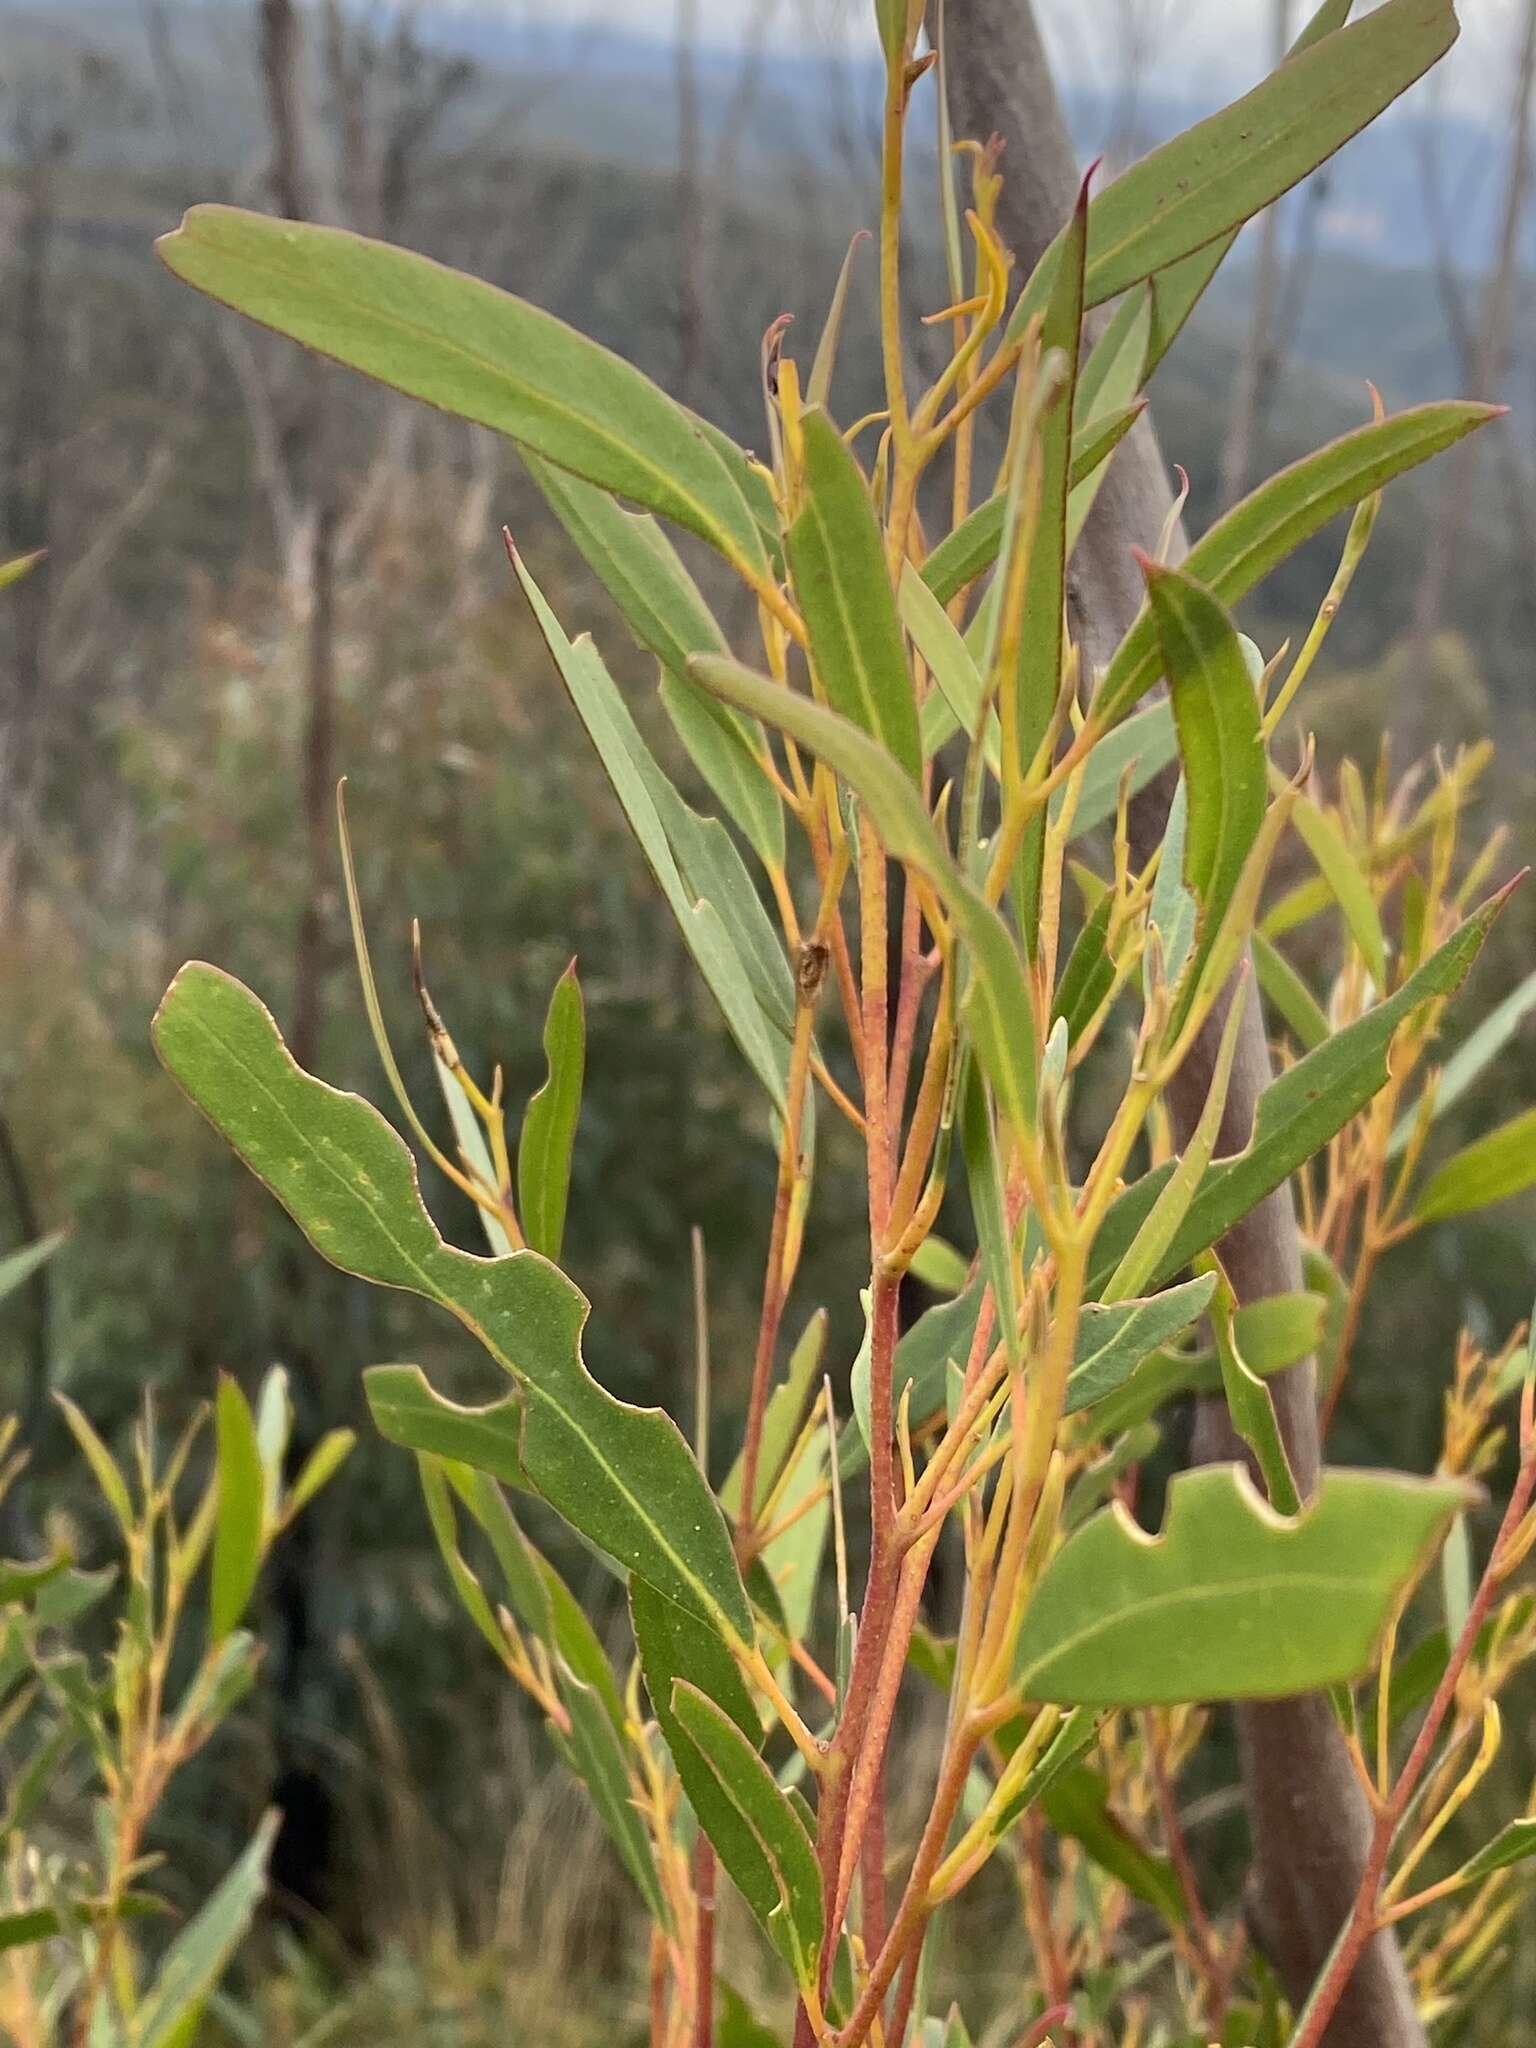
(237, 1532)
(1231, 1601)
(623, 1476)
(1272, 522)
(1496, 1167)
(477, 352)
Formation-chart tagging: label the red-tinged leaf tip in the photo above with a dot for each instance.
(1501, 896)
(510, 545)
(1147, 564)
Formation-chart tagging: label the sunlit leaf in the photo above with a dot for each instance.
(350, 1184)
(1230, 1601)
(477, 352)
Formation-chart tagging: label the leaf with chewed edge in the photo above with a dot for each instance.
(349, 1182)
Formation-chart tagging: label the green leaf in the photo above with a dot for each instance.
(1496, 1167)
(1000, 1010)
(1289, 994)
(439, 1499)
(818, 386)
(939, 1337)
(989, 1208)
(1296, 1115)
(971, 547)
(1036, 683)
(1206, 182)
(1089, 974)
(475, 352)
(1142, 744)
(19, 566)
(1253, 1410)
(763, 1813)
(104, 1467)
(201, 1952)
(43, 1923)
(240, 1528)
(592, 1753)
(641, 571)
(1221, 741)
(17, 1267)
(1276, 1331)
(1077, 1806)
(957, 704)
(524, 1572)
(1231, 1601)
(938, 1265)
(23, 1582)
(321, 1466)
(782, 1417)
(638, 782)
(837, 560)
(1471, 1058)
(549, 1123)
(1514, 1843)
(1345, 877)
(1076, 1735)
(406, 1411)
(1272, 522)
(1113, 1340)
(623, 1476)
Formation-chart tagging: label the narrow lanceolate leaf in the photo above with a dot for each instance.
(237, 1532)
(406, 1411)
(783, 1415)
(549, 1122)
(837, 561)
(1496, 1167)
(1345, 877)
(1231, 1601)
(17, 1267)
(1138, 748)
(1229, 167)
(1514, 1843)
(1288, 993)
(479, 353)
(1273, 521)
(1112, 1341)
(1252, 1410)
(940, 1337)
(1476, 1052)
(1089, 974)
(999, 1006)
(641, 571)
(971, 547)
(622, 1476)
(956, 705)
(1297, 1114)
(1078, 1807)
(1221, 739)
(764, 1815)
(201, 1952)
(641, 789)
(1039, 677)
(19, 566)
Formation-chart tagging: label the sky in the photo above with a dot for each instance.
(1223, 43)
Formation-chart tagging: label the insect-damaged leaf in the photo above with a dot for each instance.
(1231, 1601)
(479, 353)
(623, 1476)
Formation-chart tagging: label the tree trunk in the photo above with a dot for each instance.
(1307, 1812)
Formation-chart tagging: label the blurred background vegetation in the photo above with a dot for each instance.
(262, 575)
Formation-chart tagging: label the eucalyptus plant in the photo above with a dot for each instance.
(916, 905)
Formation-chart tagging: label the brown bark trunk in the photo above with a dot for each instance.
(1306, 1810)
